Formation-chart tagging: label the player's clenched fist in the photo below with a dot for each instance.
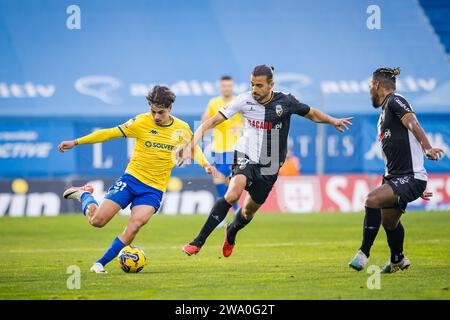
(183, 155)
(65, 145)
(434, 153)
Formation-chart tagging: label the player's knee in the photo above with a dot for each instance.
(232, 196)
(372, 201)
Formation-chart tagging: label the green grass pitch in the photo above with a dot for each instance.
(278, 256)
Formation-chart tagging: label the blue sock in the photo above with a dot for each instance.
(112, 251)
(235, 207)
(221, 189)
(87, 199)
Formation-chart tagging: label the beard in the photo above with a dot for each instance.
(375, 102)
(259, 98)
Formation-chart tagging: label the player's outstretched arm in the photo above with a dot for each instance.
(186, 152)
(199, 156)
(95, 137)
(320, 117)
(410, 121)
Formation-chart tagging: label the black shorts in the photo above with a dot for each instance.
(259, 183)
(406, 188)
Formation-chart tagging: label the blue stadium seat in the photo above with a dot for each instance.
(438, 11)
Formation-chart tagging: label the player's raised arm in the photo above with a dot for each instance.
(124, 130)
(94, 137)
(319, 117)
(224, 113)
(186, 152)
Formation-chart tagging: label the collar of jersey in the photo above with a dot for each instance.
(169, 124)
(271, 98)
(386, 99)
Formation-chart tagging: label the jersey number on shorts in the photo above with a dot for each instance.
(119, 186)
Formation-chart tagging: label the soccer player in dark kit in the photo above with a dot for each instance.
(403, 143)
(259, 153)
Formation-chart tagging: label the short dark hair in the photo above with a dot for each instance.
(162, 96)
(264, 70)
(386, 76)
(226, 78)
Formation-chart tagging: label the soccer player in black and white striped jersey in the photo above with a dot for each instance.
(403, 143)
(259, 153)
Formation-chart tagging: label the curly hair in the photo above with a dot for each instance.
(162, 96)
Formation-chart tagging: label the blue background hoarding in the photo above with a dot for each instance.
(29, 148)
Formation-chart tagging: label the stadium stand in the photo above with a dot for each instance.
(438, 12)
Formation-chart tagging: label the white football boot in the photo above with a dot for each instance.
(98, 268)
(359, 262)
(394, 267)
(76, 192)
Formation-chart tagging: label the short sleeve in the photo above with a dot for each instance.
(233, 107)
(297, 107)
(399, 106)
(128, 129)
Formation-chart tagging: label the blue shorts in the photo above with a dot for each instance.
(223, 162)
(127, 189)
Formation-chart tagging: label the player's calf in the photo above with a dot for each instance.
(98, 221)
(390, 223)
(101, 215)
(140, 216)
(132, 230)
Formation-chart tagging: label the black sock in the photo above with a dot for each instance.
(218, 213)
(238, 223)
(372, 222)
(395, 240)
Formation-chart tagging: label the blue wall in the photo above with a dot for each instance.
(323, 53)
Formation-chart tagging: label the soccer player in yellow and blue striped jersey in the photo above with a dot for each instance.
(158, 136)
(224, 137)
